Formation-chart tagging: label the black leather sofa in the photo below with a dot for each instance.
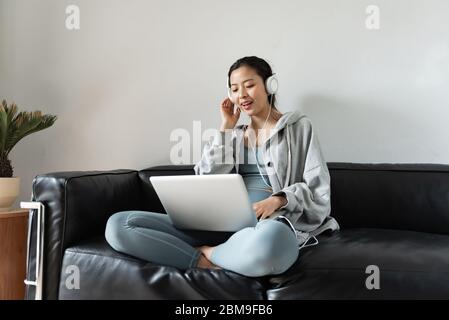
(393, 216)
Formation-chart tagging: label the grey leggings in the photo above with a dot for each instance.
(270, 247)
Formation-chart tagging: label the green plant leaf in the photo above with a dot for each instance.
(14, 128)
(6, 116)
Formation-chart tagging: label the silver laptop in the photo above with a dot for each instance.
(213, 202)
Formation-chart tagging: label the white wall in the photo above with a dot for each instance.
(136, 70)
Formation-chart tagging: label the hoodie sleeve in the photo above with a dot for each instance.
(308, 200)
(217, 158)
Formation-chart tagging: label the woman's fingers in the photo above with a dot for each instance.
(225, 104)
(259, 211)
(265, 215)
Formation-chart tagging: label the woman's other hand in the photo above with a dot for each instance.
(266, 207)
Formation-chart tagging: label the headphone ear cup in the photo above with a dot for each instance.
(272, 84)
(229, 90)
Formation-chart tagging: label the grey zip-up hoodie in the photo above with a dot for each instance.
(295, 166)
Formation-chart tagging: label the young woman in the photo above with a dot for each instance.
(279, 158)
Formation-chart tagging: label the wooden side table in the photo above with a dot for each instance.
(13, 250)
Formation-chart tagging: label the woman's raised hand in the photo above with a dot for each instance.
(228, 115)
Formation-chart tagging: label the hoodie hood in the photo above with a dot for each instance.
(288, 118)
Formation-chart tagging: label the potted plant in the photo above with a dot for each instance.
(14, 127)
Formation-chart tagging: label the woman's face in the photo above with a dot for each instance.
(248, 90)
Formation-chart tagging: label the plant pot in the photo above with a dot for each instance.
(9, 191)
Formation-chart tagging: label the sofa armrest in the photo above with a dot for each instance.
(77, 206)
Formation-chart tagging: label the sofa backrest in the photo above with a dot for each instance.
(150, 199)
(392, 196)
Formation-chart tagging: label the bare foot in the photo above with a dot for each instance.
(203, 262)
(206, 250)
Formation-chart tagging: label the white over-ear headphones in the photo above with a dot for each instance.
(271, 85)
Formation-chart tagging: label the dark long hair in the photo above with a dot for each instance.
(261, 67)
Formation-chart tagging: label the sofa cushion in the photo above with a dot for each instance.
(107, 274)
(412, 265)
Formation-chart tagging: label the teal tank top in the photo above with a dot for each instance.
(257, 189)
